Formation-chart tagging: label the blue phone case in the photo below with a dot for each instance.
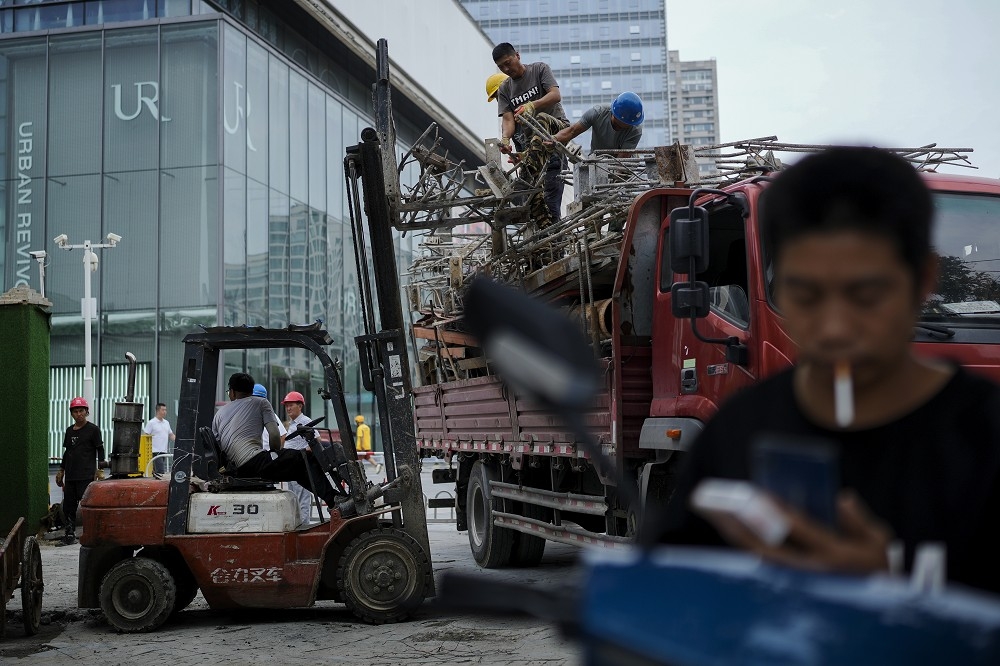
(802, 472)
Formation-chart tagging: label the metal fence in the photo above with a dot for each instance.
(65, 383)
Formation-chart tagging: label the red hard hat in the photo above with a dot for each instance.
(79, 402)
(294, 396)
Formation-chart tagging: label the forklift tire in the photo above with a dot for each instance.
(187, 590)
(383, 575)
(138, 594)
(491, 545)
(528, 548)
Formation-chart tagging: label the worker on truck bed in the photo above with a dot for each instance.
(531, 89)
(238, 426)
(615, 126)
(848, 233)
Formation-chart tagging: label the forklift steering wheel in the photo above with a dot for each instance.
(308, 426)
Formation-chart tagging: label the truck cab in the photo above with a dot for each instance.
(691, 377)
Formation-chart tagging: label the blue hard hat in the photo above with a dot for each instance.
(627, 108)
(259, 391)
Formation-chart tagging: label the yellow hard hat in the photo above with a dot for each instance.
(493, 85)
(359, 419)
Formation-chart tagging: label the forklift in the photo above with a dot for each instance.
(149, 545)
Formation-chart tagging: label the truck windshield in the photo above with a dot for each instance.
(967, 239)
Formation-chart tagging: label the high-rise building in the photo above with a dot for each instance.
(211, 135)
(694, 105)
(596, 49)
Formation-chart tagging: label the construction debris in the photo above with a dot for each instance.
(479, 221)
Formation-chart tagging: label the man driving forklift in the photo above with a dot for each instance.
(238, 427)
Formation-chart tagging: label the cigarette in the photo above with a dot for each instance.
(843, 394)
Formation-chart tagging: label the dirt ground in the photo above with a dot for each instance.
(326, 634)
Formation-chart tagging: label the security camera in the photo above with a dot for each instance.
(61, 240)
(38, 255)
(113, 238)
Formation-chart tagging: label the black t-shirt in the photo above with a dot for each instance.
(932, 475)
(83, 448)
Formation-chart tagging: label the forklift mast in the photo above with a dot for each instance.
(385, 366)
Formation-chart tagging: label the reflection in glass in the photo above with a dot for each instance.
(189, 61)
(129, 276)
(278, 124)
(257, 254)
(234, 250)
(234, 99)
(75, 104)
(277, 229)
(298, 144)
(189, 237)
(257, 116)
(132, 96)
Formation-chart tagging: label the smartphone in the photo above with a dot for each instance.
(803, 472)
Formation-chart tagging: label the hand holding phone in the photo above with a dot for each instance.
(745, 503)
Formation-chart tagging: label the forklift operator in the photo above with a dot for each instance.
(238, 426)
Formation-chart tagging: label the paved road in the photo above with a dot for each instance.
(326, 634)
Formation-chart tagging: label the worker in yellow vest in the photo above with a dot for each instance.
(363, 442)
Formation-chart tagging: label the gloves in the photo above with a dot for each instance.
(505, 145)
(59, 477)
(99, 475)
(528, 109)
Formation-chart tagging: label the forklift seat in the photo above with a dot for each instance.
(215, 466)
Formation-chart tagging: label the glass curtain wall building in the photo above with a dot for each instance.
(596, 48)
(216, 156)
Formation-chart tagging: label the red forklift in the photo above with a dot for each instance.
(148, 545)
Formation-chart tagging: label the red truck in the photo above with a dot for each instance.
(520, 477)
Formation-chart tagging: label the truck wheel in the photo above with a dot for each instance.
(383, 575)
(137, 595)
(491, 545)
(528, 548)
(32, 586)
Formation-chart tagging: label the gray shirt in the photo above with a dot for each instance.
(238, 426)
(603, 135)
(533, 84)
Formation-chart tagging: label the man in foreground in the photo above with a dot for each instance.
(848, 234)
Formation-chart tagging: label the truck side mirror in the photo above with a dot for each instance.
(689, 300)
(689, 239)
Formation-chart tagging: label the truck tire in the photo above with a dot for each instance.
(528, 548)
(138, 594)
(383, 575)
(491, 545)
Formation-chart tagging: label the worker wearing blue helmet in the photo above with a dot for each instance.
(615, 126)
(261, 392)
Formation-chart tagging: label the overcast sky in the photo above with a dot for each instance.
(898, 73)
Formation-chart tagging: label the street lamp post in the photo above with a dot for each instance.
(88, 308)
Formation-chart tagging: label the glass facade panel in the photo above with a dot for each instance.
(129, 276)
(316, 143)
(257, 116)
(23, 72)
(75, 106)
(189, 71)
(73, 208)
(278, 125)
(277, 234)
(189, 237)
(234, 86)
(132, 94)
(298, 137)
(234, 248)
(257, 254)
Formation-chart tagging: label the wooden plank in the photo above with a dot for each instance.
(447, 337)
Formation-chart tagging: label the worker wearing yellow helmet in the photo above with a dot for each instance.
(363, 442)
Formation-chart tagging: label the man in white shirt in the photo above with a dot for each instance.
(159, 428)
(294, 402)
